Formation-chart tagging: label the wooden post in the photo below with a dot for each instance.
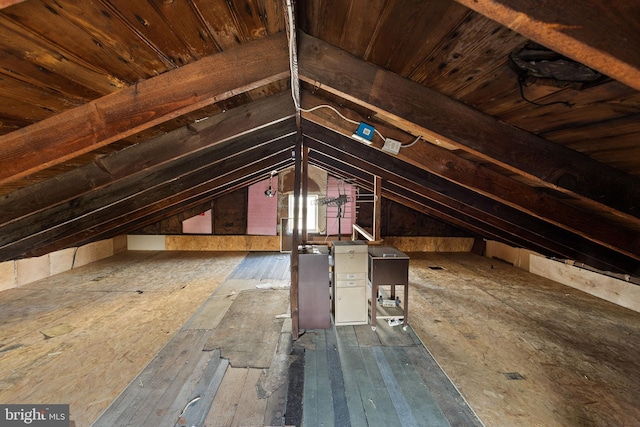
(377, 207)
(305, 189)
(295, 315)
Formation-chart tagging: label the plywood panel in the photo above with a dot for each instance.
(617, 291)
(93, 252)
(248, 333)
(32, 269)
(62, 261)
(484, 321)
(430, 244)
(223, 243)
(7, 275)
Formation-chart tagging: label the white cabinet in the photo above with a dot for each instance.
(350, 268)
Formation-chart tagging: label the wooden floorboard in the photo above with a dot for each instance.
(151, 391)
(263, 266)
(118, 313)
(318, 399)
(248, 333)
(199, 403)
(420, 401)
(191, 381)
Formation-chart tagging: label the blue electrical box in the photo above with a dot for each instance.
(364, 132)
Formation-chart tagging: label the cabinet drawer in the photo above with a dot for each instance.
(345, 263)
(351, 276)
(351, 283)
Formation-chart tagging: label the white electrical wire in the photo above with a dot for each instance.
(293, 66)
(411, 143)
(295, 82)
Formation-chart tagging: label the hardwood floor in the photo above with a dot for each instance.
(137, 338)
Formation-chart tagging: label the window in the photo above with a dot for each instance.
(312, 212)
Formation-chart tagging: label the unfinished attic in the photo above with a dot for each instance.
(337, 213)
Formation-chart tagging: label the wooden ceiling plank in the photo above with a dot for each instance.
(7, 3)
(473, 49)
(161, 150)
(15, 92)
(91, 39)
(219, 20)
(47, 68)
(184, 20)
(595, 33)
(589, 105)
(360, 28)
(145, 21)
(596, 131)
(141, 106)
(440, 118)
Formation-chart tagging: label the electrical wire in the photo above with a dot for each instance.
(521, 80)
(295, 82)
(411, 143)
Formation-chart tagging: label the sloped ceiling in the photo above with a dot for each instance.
(117, 114)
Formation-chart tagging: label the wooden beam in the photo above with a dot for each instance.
(197, 163)
(377, 207)
(139, 107)
(219, 129)
(109, 223)
(344, 165)
(515, 194)
(122, 200)
(160, 210)
(7, 3)
(295, 259)
(481, 217)
(594, 33)
(514, 229)
(449, 196)
(440, 119)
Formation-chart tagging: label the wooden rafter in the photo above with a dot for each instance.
(452, 167)
(443, 120)
(139, 107)
(595, 33)
(450, 199)
(166, 208)
(166, 184)
(170, 147)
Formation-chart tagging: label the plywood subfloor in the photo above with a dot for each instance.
(523, 350)
(80, 337)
